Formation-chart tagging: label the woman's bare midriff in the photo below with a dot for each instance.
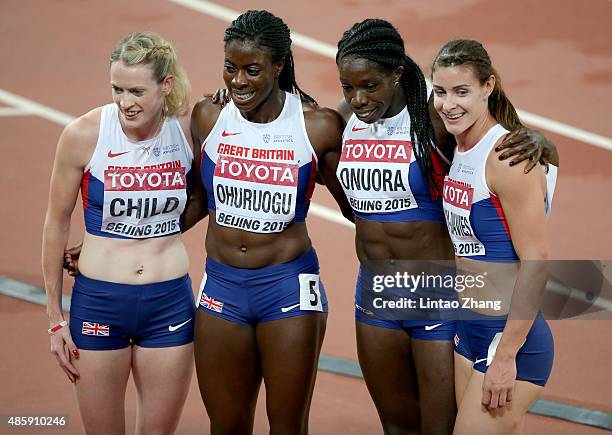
(492, 285)
(133, 261)
(243, 249)
(419, 240)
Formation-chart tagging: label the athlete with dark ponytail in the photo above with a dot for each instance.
(407, 363)
(262, 308)
(503, 357)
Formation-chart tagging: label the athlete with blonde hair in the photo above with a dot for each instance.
(132, 302)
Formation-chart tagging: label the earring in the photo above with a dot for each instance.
(395, 84)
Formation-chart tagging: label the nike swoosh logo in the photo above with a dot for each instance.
(112, 154)
(173, 328)
(430, 327)
(285, 309)
(480, 360)
(358, 128)
(226, 134)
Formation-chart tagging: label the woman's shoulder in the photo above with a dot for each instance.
(324, 127)
(204, 115)
(79, 138)
(323, 117)
(85, 128)
(205, 108)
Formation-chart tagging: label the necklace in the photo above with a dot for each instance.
(155, 140)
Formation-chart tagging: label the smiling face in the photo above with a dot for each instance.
(370, 89)
(139, 97)
(461, 99)
(250, 75)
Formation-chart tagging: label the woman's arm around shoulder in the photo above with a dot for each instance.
(204, 116)
(324, 127)
(195, 209)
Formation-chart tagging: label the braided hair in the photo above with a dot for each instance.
(472, 53)
(151, 49)
(269, 31)
(378, 41)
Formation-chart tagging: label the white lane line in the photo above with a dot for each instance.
(34, 108)
(328, 50)
(27, 292)
(225, 14)
(60, 118)
(566, 130)
(329, 214)
(578, 295)
(13, 111)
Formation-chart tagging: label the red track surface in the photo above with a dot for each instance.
(554, 62)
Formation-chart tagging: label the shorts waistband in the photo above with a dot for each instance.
(474, 318)
(308, 258)
(83, 281)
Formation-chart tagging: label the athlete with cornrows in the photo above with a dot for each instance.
(262, 307)
(132, 303)
(396, 199)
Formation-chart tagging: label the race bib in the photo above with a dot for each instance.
(143, 202)
(458, 199)
(310, 294)
(255, 195)
(374, 175)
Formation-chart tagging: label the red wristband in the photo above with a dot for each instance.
(57, 327)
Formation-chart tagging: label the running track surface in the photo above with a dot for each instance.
(554, 62)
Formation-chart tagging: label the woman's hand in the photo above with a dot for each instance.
(499, 381)
(525, 143)
(71, 259)
(64, 349)
(221, 96)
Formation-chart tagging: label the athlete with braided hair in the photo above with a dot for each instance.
(132, 303)
(391, 170)
(262, 308)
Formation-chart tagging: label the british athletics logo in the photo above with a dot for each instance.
(94, 328)
(211, 303)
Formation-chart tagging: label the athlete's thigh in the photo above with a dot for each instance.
(100, 389)
(385, 358)
(289, 351)
(433, 360)
(162, 377)
(473, 417)
(463, 371)
(228, 372)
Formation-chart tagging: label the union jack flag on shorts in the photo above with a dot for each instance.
(94, 328)
(211, 303)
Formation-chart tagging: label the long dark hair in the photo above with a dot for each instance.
(268, 31)
(472, 53)
(378, 41)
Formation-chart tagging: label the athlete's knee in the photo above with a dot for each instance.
(401, 429)
(408, 423)
(288, 427)
(514, 424)
(238, 426)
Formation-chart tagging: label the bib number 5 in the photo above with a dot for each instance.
(310, 293)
